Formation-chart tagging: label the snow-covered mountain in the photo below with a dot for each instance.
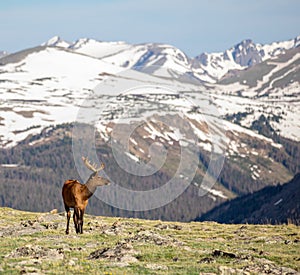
(273, 86)
(57, 66)
(168, 61)
(239, 57)
(250, 117)
(37, 84)
(56, 41)
(157, 59)
(61, 74)
(3, 53)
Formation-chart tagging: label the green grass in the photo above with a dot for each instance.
(189, 251)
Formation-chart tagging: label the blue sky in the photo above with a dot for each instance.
(192, 26)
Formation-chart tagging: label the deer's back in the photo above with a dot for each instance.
(70, 192)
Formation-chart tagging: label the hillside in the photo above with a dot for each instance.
(36, 243)
(43, 162)
(173, 148)
(273, 204)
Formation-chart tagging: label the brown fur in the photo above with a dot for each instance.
(75, 195)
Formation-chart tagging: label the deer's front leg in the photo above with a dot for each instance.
(81, 221)
(68, 218)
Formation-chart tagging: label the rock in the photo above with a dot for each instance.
(96, 225)
(264, 266)
(53, 211)
(36, 252)
(31, 223)
(287, 270)
(225, 270)
(175, 227)
(122, 252)
(116, 224)
(31, 262)
(219, 253)
(92, 244)
(187, 248)
(115, 229)
(98, 253)
(28, 267)
(51, 225)
(147, 236)
(163, 226)
(30, 270)
(49, 217)
(72, 261)
(156, 267)
(175, 259)
(206, 260)
(31, 226)
(128, 259)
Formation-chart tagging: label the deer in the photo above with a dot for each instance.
(76, 195)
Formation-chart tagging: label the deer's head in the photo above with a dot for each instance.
(94, 178)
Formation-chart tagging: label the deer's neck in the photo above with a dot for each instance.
(90, 188)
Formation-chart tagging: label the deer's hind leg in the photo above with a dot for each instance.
(76, 218)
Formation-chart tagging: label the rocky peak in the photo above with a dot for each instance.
(246, 53)
(56, 41)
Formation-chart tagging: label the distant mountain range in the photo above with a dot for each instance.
(272, 204)
(206, 67)
(243, 103)
(3, 53)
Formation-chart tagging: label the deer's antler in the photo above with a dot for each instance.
(92, 167)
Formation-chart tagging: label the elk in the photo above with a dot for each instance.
(76, 195)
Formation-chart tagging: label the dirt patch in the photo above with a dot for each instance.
(123, 252)
(259, 266)
(115, 229)
(37, 252)
(27, 227)
(156, 267)
(256, 266)
(163, 226)
(148, 236)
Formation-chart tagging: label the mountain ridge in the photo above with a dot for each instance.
(206, 67)
(151, 57)
(273, 204)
